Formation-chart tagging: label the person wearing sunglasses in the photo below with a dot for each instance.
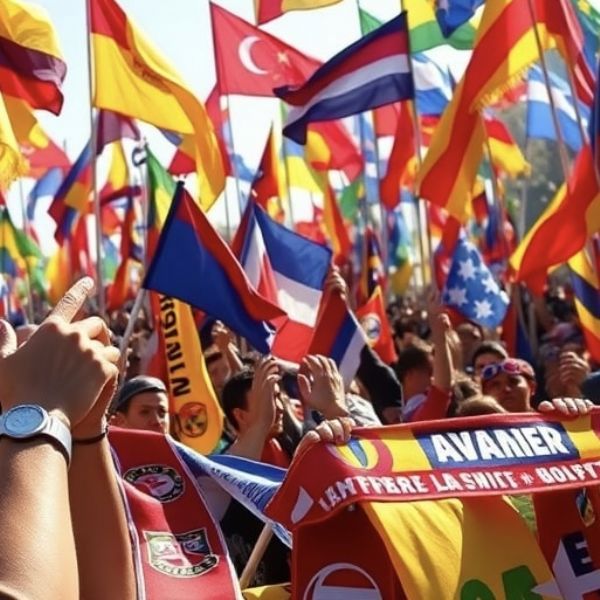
(512, 384)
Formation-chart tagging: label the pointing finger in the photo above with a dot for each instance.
(71, 303)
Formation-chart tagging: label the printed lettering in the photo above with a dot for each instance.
(444, 449)
(180, 386)
(174, 351)
(487, 447)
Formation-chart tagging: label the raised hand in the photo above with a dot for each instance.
(321, 386)
(261, 399)
(64, 366)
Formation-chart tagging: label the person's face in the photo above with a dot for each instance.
(218, 371)
(148, 411)
(512, 391)
(418, 381)
(483, 360)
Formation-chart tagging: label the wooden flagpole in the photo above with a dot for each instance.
(93, 158)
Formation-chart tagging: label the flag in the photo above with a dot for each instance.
(586, 296)
(31, 65)
(11, 162)
(17, 250)
(73, 194)
(371, 72)
(117, 184)
(403, 152)
(471, 288)
(594, 129)
(539, 116)
(570, 541)
(425, 31)
(48, 157)
(134, 79)
(339, 336)
(352, 195)
(460, 548)
(162, 189)
(451, 14)
(372, 270)
(563, 228)
(330, 146)
(267, 10)
(290, 272)
(251, 61)
(335, 228)
(560, 21)
(112, 127)
(506, 45)
(374, 321)
(27, 129)
(267, 190)
(46, 185)
(190, 253)
(505, 153)
(399, 243)
(433, 87)
(197, 415)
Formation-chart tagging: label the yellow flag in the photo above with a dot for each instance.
(131, 77)
(194, 404)
(474, 549)
(12, 164)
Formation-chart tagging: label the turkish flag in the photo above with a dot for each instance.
(253, 62)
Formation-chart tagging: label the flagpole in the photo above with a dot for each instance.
(524, 198)
(562, 150)
(141, 165)
(93, 158)
(286, 167)
(422, 219)
(27, 271)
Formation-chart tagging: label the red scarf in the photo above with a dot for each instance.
(178, 547)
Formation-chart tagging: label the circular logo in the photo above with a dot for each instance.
(361, 454)
(371, 325)
(332, 581)
(159, 481)
(193, 419)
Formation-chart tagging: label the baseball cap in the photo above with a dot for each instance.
(133, 387)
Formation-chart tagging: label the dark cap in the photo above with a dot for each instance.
(133, 387)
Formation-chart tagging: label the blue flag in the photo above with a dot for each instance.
(451, 14)
(471, 288)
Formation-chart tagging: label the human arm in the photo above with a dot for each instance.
(439, 324)
(62, 367)
(573, 371)
(224, 341)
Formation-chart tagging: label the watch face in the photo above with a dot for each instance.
(24, 420)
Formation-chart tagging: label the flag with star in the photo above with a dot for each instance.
(471, 288)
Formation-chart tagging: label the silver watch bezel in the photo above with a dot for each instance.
(20, 434)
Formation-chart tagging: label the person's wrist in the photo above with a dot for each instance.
(335, 410)
(89, 430)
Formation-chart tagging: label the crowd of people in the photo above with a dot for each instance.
(62, 504)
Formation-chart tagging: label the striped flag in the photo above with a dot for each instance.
(372, 72)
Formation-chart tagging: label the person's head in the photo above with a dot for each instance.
(415, 370)
(486, 353)
(217, 367)
(511, 382)
(235, 403)
(142, 403)
(479, 405)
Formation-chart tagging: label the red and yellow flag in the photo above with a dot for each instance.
(132, 78)
(267, 10)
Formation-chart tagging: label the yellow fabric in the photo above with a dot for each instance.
(118, 174)
(25, 125)
(400, 278)
(197, 414)
(58, 274)
(306, 4)
(29, 26)
(508, 158)
(268, 592)
(140, 83)
(12, 164)
(466, 550)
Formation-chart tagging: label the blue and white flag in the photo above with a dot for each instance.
(251, 483)
(471, 288)
(539, 116)
(433, 87)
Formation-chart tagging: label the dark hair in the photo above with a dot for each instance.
(410, 359)
(235, 392)
(489, 347)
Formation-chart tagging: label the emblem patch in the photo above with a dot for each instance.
(371, 325)
(192, 418)
(180, 555)
(159, 481)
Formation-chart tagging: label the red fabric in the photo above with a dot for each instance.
(180, 549)
(435, 406)
(42, 159)
(273, 454)
(402, 152)
(273, 61)
(266, 183)
(374, 321)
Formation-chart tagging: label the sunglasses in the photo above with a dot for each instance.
(510, 367)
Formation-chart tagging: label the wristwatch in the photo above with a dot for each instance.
(30, 420)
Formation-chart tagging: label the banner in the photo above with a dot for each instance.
(197, 414)
(475, 456)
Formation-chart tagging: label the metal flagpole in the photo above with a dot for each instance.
(93, 158)
(286, 166)
(524, 198)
